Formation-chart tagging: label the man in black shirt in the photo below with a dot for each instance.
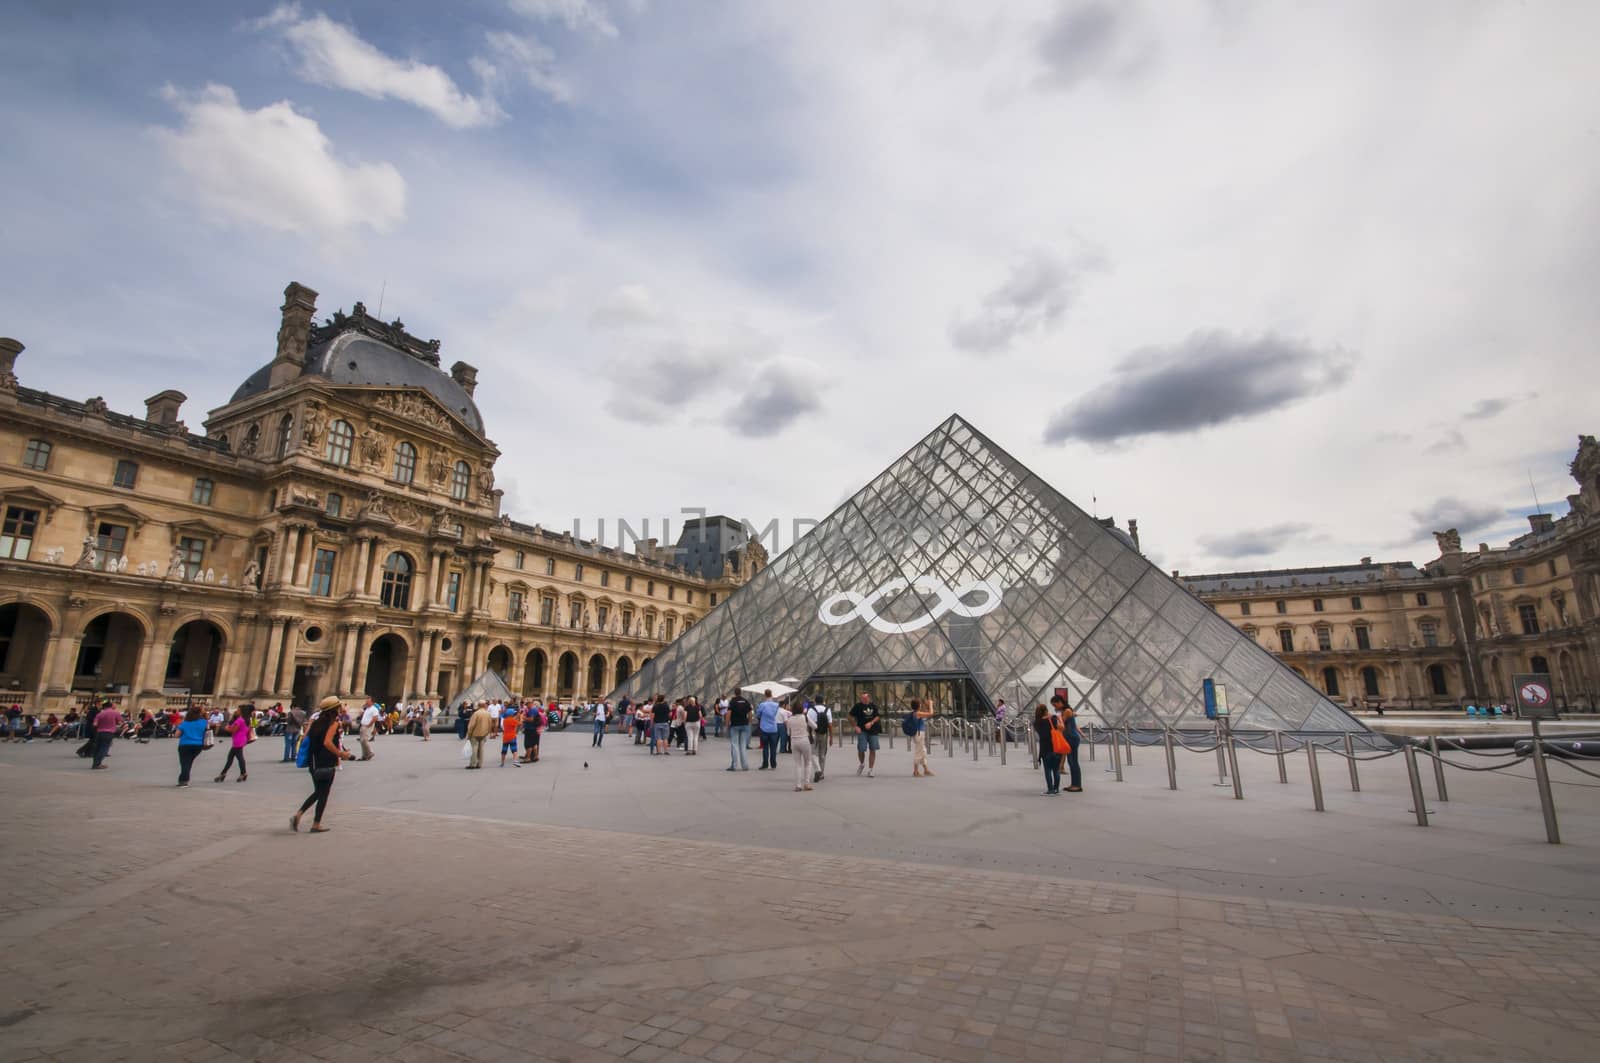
(869, 726)
(738, 732)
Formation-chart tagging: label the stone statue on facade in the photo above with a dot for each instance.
(371, 446)
(1449, 541)
(89, 555)
(178, 564)
(252, 576)
(311, 437)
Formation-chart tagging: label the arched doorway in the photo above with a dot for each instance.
(567, 675)
(193, 657)
(624, 670)
(500, 662)
(597, 676)
(108, 654)
(386, 669)
(533, 674)
(24, 636)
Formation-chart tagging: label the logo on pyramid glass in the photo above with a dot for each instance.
(950, 601)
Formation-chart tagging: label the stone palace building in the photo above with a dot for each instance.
(1453, 631)
(335, 530)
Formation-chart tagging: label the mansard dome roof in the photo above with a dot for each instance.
(359, 351)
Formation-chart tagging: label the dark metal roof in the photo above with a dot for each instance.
(1284, 578)
(351, 358)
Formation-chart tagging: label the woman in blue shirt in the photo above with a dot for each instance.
(191, 741)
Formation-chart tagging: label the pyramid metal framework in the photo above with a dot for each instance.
(958, 561)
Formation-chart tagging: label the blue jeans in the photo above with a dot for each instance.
(102, 745)
(738, 738)
(716, 726)
(599, 731)
(769, 749)
(290, 743)
(1052, 770)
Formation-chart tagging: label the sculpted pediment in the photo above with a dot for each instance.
(419, 407)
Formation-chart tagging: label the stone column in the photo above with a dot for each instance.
(283, 571)
(302, 572)
(150, 667)
(286, 659)
(358, 675)
(61, 657)
(346, 660)
(424, 584)
(234, 656)
(269, 665)
(443, 567)
(424, 662)
(358, 573)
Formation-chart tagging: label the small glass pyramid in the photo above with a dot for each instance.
(958, 562)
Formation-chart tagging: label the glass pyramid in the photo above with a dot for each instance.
(957, 561)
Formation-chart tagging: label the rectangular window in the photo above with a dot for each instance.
(1552, 568)
(650, 588)
(322, 572)
(194, 556)
(1430, 632)
(16, 537)
(110, 543)
(1316, 605)
(514, 606)
(126, 474)
(577, 572)
(1422, 599)
(1286, 640)
(1519, 576)
(627, 622)
(1283, 606)
(1355, 603)
(667, 627)
(605, 578)
(1363, 638)
(602, 614)
(203, 489)
(627, 583)
(547, 610)
(518, 558)
(36, 455)
(649, 626)
(713, 597)
(672, 593)
(1530, 619)
(1324, 639)
(452, 591)
(549, 566)
(1244, 608)
(688, 596)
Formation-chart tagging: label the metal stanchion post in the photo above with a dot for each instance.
(1222, 758)
(1438, 768)
(1316, 776)
(1172, 761)
(1547, 800)
(1116, 755)
(1002, 749)
(950, 741)
(1233, 760)
(1418, 805)
(1277, 744)
(1127, 742)
(1350, 755)
(1089, 737)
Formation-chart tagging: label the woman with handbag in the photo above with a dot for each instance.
(323, 762)
(194, 737)
(241, 735)
(1044, 725)
(1069, 729)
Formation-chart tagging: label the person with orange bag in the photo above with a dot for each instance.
(1068, 722)
(1044, 726)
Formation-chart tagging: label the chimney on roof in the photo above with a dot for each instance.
(1541, 522)
(1483, 548)
(162, 407)
(294, 334)
(1133, 533)
(1366, 560)
(466, 376)
(9, 349)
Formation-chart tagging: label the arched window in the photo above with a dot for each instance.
(285, 435)
(252, 439)
(405, 462)
(1330, 681)
(1538, 665)
(333, 505)
(460, 482)
(397, 581)
(1369, 681)
(1436, 681)
(340, 439)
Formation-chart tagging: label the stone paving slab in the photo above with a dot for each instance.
(144, 923)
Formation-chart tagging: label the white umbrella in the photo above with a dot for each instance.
(791, 680)
(778, 689)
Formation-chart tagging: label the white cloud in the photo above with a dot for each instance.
(523, 56)
(577, 14)
(331, 53)
(274, 167)
(627, 306)
(1032, 299)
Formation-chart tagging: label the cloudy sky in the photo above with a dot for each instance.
(1291, 284)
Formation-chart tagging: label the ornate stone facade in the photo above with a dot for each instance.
(1449, 633)
(332, 532)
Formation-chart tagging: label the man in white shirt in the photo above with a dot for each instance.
(369, 727)
(821, 719)
(600, 715)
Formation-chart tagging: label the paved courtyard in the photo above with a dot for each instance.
(662, 909)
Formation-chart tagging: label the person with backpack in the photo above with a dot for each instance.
(915, 727)
(821, 718)
(738, 732)
(1069, 728)
(323, 753)
(193, 736)
(1048, 729)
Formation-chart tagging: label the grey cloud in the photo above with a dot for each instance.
(1210, 378)
(776, 398)
(1465, 517)
(653, 386)
(1254, 542)
(1080, 41)
(1484, 409)
(1031, 299)
(1452, 442)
